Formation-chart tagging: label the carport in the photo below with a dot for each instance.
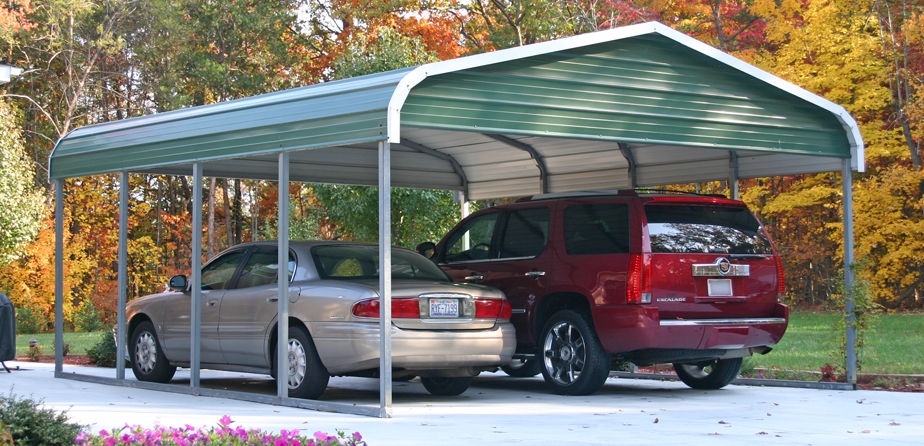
(637, 106)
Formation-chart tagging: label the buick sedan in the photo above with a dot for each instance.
(444, 332)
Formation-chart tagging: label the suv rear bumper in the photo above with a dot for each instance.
(627, 328)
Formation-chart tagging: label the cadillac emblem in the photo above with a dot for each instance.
(724, 265)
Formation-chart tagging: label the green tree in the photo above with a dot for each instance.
(418, 215)
(21, 204)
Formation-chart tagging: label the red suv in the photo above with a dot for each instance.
(601, 278)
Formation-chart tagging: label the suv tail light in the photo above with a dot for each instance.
(639, 280)
(401, 308)
(493, 309)
(780, 279)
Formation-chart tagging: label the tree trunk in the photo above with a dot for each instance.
(236, 214)
(224, 191)
(210, 243)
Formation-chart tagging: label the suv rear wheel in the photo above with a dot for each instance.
(573, 361)
(709, 375)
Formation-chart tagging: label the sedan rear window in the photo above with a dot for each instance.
(705, 229)
(345, 262)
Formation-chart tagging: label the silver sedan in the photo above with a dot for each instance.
(444, 332)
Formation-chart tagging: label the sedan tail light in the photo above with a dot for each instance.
(493, 309)
(409, 308)
(639, 280)
(401, 308)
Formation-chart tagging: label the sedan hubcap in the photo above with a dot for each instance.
(298, 363)
(145, 352)
(565, 355)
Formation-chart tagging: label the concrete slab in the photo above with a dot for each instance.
(499, 409)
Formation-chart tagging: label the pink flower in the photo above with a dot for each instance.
(225, 421)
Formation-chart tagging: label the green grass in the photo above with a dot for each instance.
(79, 342)
(895, 344)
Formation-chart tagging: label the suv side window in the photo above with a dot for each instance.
(526, 234)
(472, 241)
(596, 229)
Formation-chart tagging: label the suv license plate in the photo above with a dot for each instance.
(719, 287)
(444, 307)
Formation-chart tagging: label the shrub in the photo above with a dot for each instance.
(103, 353)
(35, 352)
(29, 321)
(5, 438)
(223, 434)
(29, 423)
(87, 318)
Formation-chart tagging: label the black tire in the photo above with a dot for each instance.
(307, 376)
(446, 386)
(573, 361)
(709, 375)
(522, 368)
(147, 358)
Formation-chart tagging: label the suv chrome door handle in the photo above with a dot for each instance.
(474, 277)
(535, 274)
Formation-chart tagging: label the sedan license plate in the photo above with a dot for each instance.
(444, 307)
(719, 287)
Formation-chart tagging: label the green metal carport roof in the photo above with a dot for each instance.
(642, 105)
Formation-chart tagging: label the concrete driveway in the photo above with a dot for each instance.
(498, 409)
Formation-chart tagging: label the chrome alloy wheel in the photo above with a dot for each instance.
(298, 363)
(564, 353)
(146, 352)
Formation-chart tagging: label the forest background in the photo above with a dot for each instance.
(91, 61)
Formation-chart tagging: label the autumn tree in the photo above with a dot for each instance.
(21, 204)
(901, 33)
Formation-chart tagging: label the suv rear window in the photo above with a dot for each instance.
(597, 229)
(705, 229)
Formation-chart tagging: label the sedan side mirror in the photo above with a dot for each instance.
(426, 249)
(178, 282)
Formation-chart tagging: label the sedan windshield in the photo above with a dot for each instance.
(355, 262)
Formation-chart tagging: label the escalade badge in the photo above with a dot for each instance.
(671, 299)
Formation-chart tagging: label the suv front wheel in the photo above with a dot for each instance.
(709, 375)
(573, 361)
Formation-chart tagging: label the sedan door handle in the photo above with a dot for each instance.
(272, 300)
(474, 277)
(211, 303)
(535, 274)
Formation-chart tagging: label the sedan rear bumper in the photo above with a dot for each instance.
(351, 347)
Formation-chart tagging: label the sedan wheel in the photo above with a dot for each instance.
(522, 368)
(147, 359)
(307, 376)
(709, 375)
(446, 386)
(573, 361)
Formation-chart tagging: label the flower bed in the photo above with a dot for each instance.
(222, 434)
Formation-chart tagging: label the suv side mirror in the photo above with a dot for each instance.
(178, 282)
(427, 249)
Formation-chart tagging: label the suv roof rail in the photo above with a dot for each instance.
(610, 192)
